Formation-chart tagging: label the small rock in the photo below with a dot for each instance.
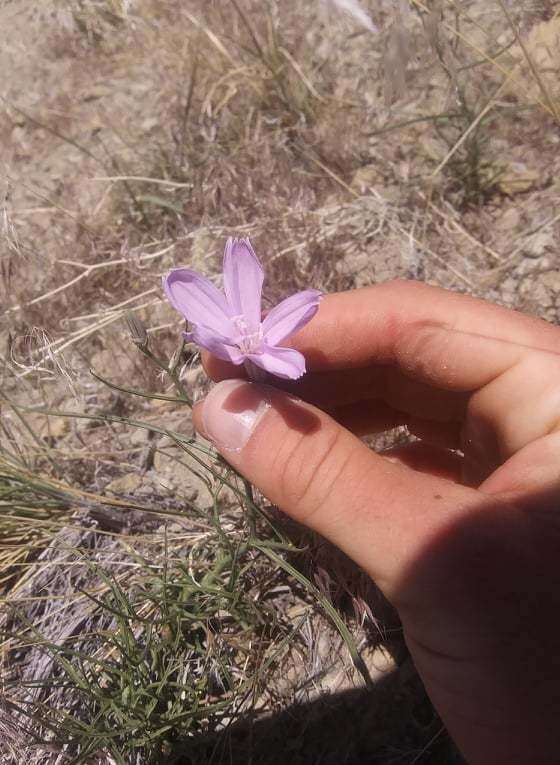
(509, 285)
(50, 429)
(509, 221)
(145, 490)
(551, 279)
(379, 660)
(434, 148)
(138, 437)
(537, 292)
(95, 92)
(55, 427)
(517, 179)
(181, 475)
(365, 177)
(175, 528)
(125, 484)
(297, 610)
(538, 244)
(543, 47)
(149, 123)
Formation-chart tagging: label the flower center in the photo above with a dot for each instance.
(248, 341)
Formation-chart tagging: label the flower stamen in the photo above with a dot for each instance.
(247, 341)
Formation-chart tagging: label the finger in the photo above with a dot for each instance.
(502, 361)
(366, 418)
(396, 322)
(219, 370)
(373, 416)
(380, 513)
(530, 472)
(428, 459)
(439, 337)
(339, 387)
(519, 408)
(344, 387)
(446, 435)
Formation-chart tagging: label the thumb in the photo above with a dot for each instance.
(379, 512)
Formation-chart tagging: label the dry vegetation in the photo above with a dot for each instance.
(153, 609)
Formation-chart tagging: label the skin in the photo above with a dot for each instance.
(460, 530)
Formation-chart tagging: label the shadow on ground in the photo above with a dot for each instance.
(392, 723)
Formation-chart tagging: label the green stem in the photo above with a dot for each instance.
(136, 392)
(327, 606)
(171, 371)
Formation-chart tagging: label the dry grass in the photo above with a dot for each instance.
(422, 143)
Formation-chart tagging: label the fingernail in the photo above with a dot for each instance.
(231, 412)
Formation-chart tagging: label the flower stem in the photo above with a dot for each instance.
(254, 373)
(171, 370)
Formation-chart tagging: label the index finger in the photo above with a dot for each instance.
(441, 338)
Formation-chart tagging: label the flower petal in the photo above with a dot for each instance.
(218, 346)
(290, 315)
(198, 300)
(282, 362)
(243, 279)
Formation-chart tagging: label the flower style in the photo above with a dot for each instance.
(229, 324)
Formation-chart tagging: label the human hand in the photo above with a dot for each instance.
(466, 547)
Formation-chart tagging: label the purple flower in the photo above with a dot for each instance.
(229, 324)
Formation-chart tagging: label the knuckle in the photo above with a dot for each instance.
(423, 349)
(309, 473)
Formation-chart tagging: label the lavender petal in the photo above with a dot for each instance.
(243, 279)
(282, 362)
(290, 315)
(198, 300)
(218, 346)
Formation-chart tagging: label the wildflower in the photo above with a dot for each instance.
(229, 324)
